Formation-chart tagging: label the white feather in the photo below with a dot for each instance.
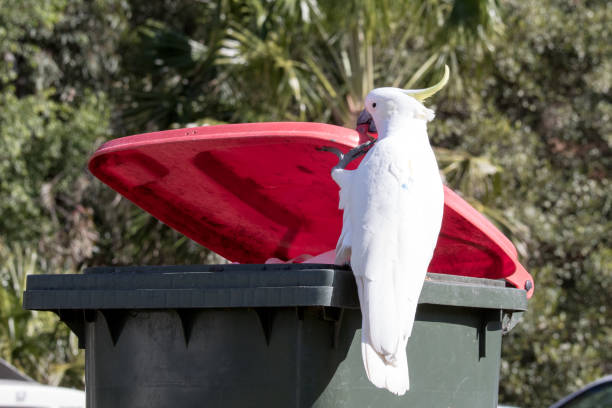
(343, 248)
(392, 206)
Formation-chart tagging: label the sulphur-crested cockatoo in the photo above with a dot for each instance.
(393, 205)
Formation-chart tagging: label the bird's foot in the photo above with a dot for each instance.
(345, 158)
(334, 150)
(354, 153)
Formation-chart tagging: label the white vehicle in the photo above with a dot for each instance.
(18, 390)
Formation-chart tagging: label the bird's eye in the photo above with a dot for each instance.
(374, 105)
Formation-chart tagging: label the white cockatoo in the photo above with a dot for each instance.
(393, 204)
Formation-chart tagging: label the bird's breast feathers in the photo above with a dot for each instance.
(395, 160)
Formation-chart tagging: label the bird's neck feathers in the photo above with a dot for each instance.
(410, 130)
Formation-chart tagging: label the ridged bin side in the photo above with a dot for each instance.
(274, 336)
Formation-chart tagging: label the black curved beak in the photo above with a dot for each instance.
(365, 117)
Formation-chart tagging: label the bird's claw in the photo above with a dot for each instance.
(362, 148)
(353, 154)
(333, 150)
(345, 158)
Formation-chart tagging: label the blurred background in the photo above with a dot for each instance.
(522, 131)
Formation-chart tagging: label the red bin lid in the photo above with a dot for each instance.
(260, 190)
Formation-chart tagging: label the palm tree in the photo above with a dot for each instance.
(312, 60)
(297, 59)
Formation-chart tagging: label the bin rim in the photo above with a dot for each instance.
(223, 286)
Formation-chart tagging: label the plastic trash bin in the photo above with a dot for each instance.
(284, 335)
(270, 336)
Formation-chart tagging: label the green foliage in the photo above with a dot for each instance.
(541, 117)
(51, 118)
(523, 132)
(290, 60)
(551, 82)
(38, 159)
(20, 22)
(35, 342)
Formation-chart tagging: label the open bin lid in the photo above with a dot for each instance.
(259, 190)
